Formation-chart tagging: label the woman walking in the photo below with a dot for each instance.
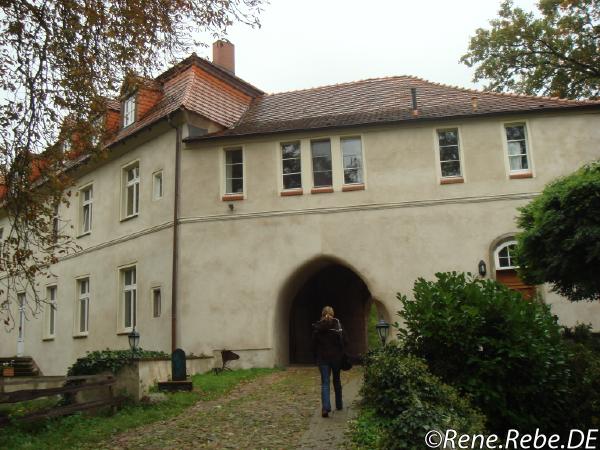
(328, 347)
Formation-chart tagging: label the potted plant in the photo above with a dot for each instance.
(8, 370)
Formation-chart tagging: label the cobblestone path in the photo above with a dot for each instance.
(277, 411)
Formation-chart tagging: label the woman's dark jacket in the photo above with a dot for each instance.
(328, 341)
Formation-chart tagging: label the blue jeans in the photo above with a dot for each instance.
(325, 370)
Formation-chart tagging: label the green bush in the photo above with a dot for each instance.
(486, 340)
(402, 400)
(584, 386)
(109, 360)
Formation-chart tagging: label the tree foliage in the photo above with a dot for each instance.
(554, 52)
(59, 61)
(560, 238)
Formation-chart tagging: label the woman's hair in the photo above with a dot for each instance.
(327, 313)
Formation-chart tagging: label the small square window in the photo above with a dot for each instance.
(157, 185)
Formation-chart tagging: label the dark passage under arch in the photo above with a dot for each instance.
(336, 286)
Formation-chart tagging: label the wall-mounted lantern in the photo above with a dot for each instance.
(482, 268)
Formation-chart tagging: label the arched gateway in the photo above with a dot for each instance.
(321, 282)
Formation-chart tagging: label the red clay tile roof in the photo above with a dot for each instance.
(380, 100)
(191, 87)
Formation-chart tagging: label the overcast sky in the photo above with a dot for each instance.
(307, 43)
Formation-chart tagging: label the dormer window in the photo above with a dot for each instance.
(129, 111)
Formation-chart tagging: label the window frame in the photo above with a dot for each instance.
(362, 161)
(518, 173)
(233, 195)
(312, 163)
(82, 204)
(153, 303)
(50, 312)
(281, 159)
(78, 298)
(498, 249)
(125, 184)
(155, 175)
(131, 114)
(123, 290)
(449, 179)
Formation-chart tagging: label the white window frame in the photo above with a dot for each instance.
(134, 184)
(21, 303)
(129, 110)
(505, 142)
(438, 154)
(50, 312)
(86, 203)
(158, 175)
(82, 298)
(153, 302)
(362, 160)
(312, 168)
(497, 251)
(124, 289)
(282, 159)
(225, 164)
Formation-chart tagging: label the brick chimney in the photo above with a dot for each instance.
(224, 55)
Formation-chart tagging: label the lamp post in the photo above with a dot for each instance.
(134, 341)
(383, 329)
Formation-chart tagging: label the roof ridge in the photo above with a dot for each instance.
(445, 85)
(364, 80)
(509, 94)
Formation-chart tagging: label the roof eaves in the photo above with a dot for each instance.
(230, 134)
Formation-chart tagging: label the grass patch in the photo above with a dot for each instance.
(80, 431)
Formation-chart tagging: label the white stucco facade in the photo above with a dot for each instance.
(239, 269)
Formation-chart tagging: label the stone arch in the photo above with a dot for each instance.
(299, 303)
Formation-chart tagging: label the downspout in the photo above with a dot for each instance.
(174, 271)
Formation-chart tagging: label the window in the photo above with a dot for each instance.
(50, 311)
(234, 171)
(352, 160)
(516, 142)
(291, 165)
(132, 190)
(129, 295)
(449, 153)
(87, 197)
(129, 111)
(156, 302)
(55, 222)
(83, 305)
(505, 254)
(321, 162)
(157, 185)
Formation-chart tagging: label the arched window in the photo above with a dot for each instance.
(506, 273)
(505, 254)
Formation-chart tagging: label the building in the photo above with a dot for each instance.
(224, 218)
